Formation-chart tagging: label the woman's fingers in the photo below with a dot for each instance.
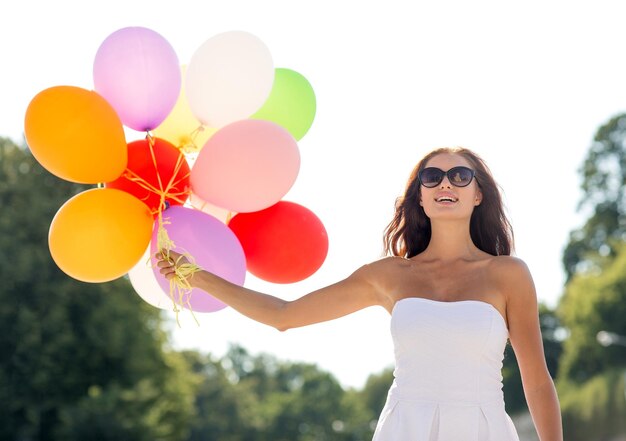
(168, 274)
(173, 255)
(159, 256)
(168, 270)
(164, 256)
(167, 261)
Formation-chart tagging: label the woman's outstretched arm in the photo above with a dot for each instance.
(356, 292)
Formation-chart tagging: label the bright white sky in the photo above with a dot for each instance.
(525, 85)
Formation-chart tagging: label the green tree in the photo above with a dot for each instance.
(374, 393)
(369, 401)
(259, 398)
(592, 303)
(75, 358)
(595, 409)
(595, 294)
(295, 401)
(151, 409)
(603, 185)
(225, 411)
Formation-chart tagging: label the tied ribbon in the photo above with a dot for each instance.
(179, 284)
(188, 143)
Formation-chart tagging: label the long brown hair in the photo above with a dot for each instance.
(408, 234)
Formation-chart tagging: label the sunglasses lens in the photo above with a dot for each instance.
(431, 177)
(460, 176)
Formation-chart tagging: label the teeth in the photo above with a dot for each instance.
(445, 198)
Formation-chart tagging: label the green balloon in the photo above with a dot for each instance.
(291, 103)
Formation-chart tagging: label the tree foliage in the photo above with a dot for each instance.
(594, 303)
(374, 393)
(76, 358)
(595, 294)
(595, 410)
(245, 397)
(603, 197)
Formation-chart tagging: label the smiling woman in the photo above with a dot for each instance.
(409, 232)
(449, 245)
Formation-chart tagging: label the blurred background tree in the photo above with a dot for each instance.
(245, 397)
(78, 361)
(591, 377)
(374, 393)
(603, 174)
(594, 303)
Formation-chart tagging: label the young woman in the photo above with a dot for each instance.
(455, 296)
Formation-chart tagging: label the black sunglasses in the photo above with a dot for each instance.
(458, 176)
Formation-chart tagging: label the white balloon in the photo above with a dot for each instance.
(229, 78)
(145, 284)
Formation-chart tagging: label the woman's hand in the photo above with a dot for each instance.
(169, 262)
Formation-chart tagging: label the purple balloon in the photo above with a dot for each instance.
(137, 71)
(213, 246)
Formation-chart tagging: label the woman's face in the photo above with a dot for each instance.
(445, 200)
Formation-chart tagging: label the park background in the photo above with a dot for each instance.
(528, 87)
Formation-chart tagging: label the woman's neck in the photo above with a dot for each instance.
(450, 241)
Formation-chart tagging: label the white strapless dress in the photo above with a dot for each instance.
(448, 375)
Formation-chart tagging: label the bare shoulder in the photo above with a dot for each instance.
(387, 262)
(509, 263)
(378, 274)
(377, 269)
(512, 275)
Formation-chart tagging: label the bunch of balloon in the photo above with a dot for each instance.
(252, 160)
(78, 135)
(207, 180)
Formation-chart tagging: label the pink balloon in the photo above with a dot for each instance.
(222, 214)
(213, 246)
(246, 166)
(137, 71)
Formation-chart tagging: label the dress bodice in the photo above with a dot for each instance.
(464, 340)
(447, 380)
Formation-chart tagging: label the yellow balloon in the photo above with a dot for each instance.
(76, 135)
(100, 234)
(181, 127)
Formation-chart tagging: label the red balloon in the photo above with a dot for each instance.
(148, 175)
(284, 243)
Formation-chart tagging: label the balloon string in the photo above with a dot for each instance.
(179, 284)
(229, 214)
(179, 197)
(191, 146)
(180, 288)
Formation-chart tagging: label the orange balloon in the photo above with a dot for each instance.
(100, 234)
(76, 135)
